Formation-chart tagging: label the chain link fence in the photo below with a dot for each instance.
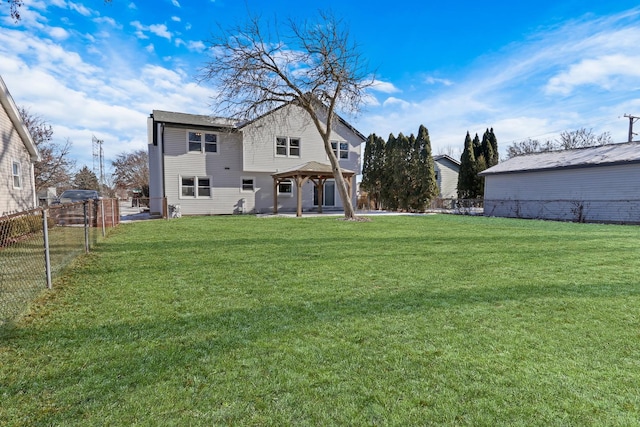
(35, 247)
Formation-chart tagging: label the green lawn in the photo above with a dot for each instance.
(404, 320)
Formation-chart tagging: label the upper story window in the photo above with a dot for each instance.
(202, 142)
(15, 172)
(340, 149)
(287, 147)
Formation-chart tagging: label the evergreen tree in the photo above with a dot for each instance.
(424, 171)
(393, 173)
(388, 195)
(493, 140)
(467, 183)
(403, 179)
(85, 179)
(373, 168)
(477, 147)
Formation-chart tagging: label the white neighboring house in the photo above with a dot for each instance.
(212, 166)
(447, 170)
(17, 157)
(596, 184)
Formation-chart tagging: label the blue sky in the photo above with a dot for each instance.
(90, 68)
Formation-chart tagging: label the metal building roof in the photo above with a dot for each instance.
(602, 155)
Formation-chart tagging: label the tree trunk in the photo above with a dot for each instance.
(349, 212)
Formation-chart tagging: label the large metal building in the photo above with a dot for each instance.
(595, 184)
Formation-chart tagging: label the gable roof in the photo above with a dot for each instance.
(340, 119)
(14, 115)
(196, 120)
(603, 155)
(446, 157)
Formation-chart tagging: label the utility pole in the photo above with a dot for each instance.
(98, 161)
(632, 120)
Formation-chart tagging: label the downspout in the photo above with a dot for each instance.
(164, 186)
(33, 184)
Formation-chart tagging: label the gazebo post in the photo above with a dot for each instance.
(321, 182)
(299, 182)
(275, 196)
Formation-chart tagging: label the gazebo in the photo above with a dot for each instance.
(316, 172)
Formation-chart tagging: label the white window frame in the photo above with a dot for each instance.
(286, 142)
(253, 184)
(203, 141)
(196, 187)
(16, 174)
(287, 193)
(339, 150)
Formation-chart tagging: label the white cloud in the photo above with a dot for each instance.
(196, 46)
(396, 102)
(384, 87)
(175, 18)
(58, 33)
(432, 81)
(81, 9)
(604, 71)
(160, 30)
(139, 30)
(108, 21)
(175, 3)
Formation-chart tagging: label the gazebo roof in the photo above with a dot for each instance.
(311, 169)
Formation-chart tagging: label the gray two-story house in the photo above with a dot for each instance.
(18, 155)
(212, 166)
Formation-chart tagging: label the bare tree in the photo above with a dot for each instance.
(582, 138)
(568, 140)
(314, 66)
(131, 171)
(55, 167)
(529, 146)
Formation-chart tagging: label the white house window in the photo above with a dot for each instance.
(285, 188)
(188, 187)
(340, 149)
(194, 186)
(204, 187)
(247, 184)
(15, 171)
(202, 142)
(287, 147)
(210, 143)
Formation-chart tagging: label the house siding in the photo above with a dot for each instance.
(224, 168)
(13, 150)
(594, 194)
(259, 152)
(246, 153)
(447, 177)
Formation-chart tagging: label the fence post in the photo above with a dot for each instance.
(47, 255)
(85, 205)
(104, 233)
